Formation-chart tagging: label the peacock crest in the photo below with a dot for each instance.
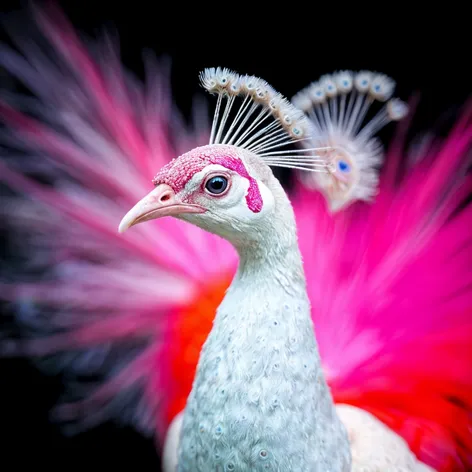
(338, 106)
(265, 122)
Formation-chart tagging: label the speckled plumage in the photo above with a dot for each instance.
(260, 401)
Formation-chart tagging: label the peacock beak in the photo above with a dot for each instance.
(162, 201)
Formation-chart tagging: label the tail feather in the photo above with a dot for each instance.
(104, 304)
(392, 297)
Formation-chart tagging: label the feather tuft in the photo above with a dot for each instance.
(337, 106)
(268, 133)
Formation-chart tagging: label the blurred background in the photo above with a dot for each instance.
(289, 45)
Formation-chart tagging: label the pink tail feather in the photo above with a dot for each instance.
(101, 136)
(392, 297)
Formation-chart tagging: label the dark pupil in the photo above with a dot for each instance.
(217, 185)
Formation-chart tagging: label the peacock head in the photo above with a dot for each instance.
(220, 188)
(227, 186)
(337, 106)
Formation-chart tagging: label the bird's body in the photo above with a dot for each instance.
(260, 400)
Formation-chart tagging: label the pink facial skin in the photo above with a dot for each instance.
(179, 171)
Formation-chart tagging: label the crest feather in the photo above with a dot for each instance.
(266, 123)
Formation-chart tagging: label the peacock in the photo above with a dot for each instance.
(380, 381)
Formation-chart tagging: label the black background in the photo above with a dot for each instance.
(289, 45)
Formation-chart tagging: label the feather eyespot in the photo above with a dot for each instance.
(343, 166)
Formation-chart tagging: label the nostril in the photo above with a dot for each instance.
(165, 197)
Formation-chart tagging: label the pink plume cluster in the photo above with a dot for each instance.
(391, 289)
(390, 283)
(99, 135)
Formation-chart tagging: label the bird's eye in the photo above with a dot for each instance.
(217, 185)
(343, 166)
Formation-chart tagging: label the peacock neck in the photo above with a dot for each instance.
(271, 267)
(266, 309)
(267, 298)
(274, 262)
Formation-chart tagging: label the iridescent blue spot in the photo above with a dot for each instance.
(343, 166)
